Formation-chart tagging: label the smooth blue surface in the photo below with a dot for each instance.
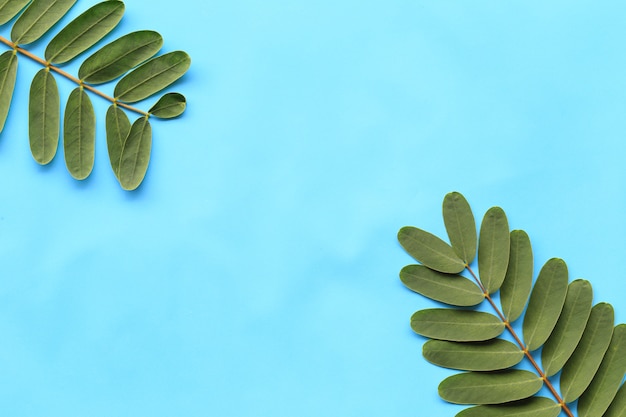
(255, 272)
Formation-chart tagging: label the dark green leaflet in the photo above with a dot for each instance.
(10, 8)
(545, 304)
(584, 362)
(152, 76)
(491, 355)
(117, 128)
(577, 339)
(168, 106)
(489, 387)
(38, 18)
(531, 407)
(519, 276)
(8, 73)
(44, 117)
(456, 325)
(79, 135)
(120, 56)
(569, 329)
(446, 288)
(597, 398)
(84, 31)
(430, 250)
(135, 154)
(460, 225)
(493, 249)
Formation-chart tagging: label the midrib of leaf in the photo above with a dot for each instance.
(70, 77)
(45, 119)
(524, 349)
(80, 131)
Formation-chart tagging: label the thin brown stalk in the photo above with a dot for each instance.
(524, 348)
(70, 77)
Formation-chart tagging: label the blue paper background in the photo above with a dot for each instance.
(255, 272)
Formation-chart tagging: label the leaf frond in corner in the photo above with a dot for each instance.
(131, 57)
(579, 339)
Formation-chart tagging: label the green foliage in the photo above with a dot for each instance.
(131, 57)
(580, 345)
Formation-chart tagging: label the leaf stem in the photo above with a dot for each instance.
(70, 77)
(532, 360)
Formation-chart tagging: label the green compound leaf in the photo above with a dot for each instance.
(8, 74)
(450, 289)
(38, 18)
(456, 325)
(84, 31)
(618, 406)
(79, 134)
(577, 339)
(460, 225)
(492, 355)
(117, 129)
(598, 396)
(545, 304)
(120, 56)
(430, 250)
(135, 154)
(531, 407)
(584, 362)
(169, 106)
(569, 329)
(519, 276)
(44, 117)
(10, 8)
(493, 249)
(152, 76)
(489, 387)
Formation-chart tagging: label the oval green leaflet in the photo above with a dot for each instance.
(120, 56)
(152, 76)
(545, 304)
(168, 106)
(38, 18)
(569, 329)
(430, 250)
(117, 130)
(44, 117)
(84, 31)
(489, 387)
(79, 134)
(491, 355)
(519, 276)
(460, 226)
(585, 361)
(531, 407)
(446, 288)
(493, 249)
(10, 8)
(135, 154)
(456, 325)
(8, 74)
(598, 397)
